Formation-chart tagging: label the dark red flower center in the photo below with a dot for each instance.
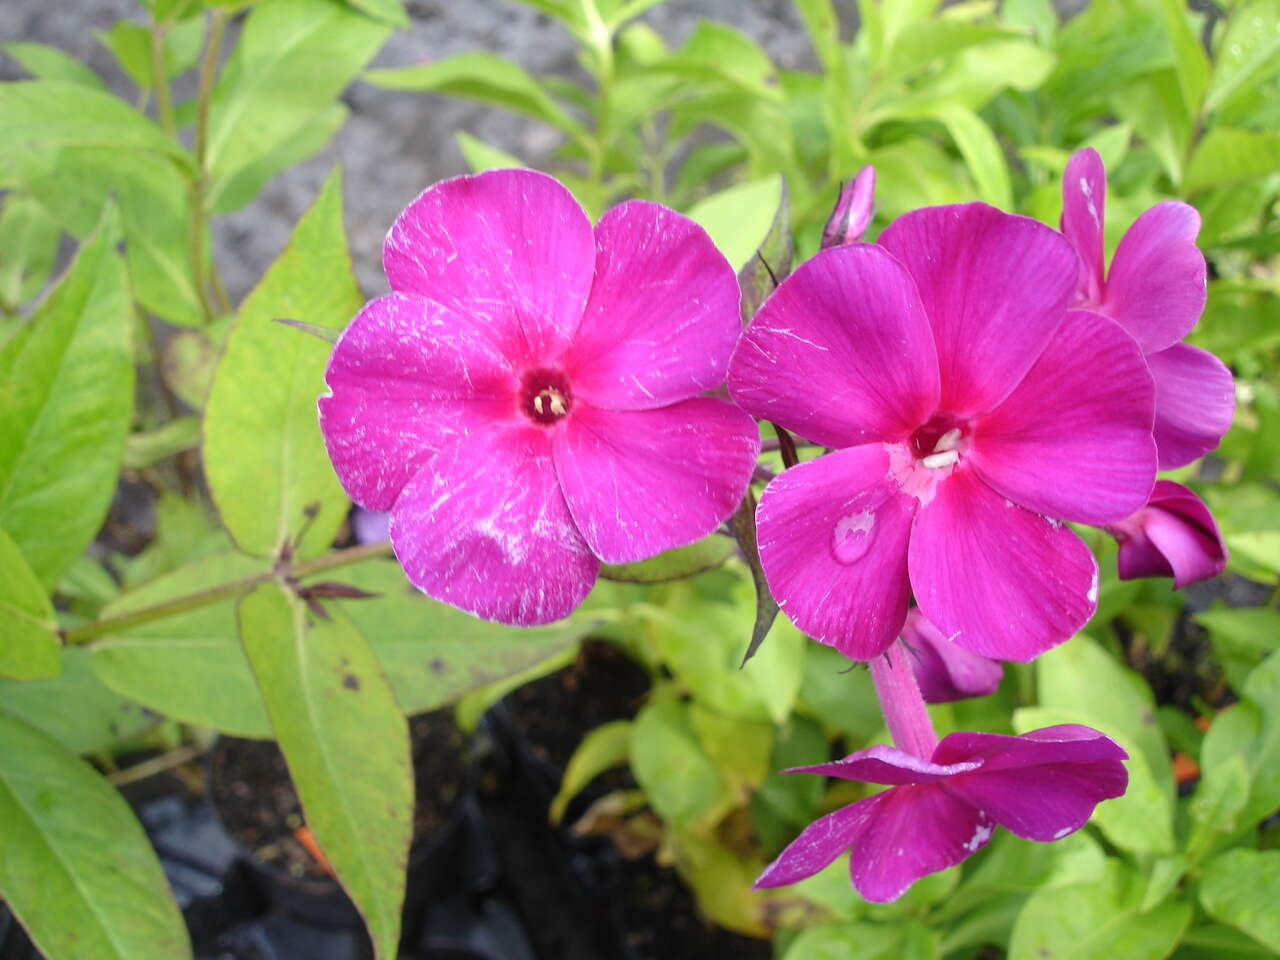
(545, 396)
(940, 442)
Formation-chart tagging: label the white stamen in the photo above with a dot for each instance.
(537, 403)
(947, 441)
(945, 459)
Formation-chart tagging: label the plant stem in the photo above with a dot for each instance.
(601, 41)
(221, 591)
(160, 80)
(902, 704)
(157, 764)
(197, 220)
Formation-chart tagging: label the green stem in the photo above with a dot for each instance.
(197, 221)
(221, 591)
(601, 41)
(160, 81)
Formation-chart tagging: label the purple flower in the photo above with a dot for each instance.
(1155, 289)
(853, 211)
(944, 670)
(967, 407)
(1042, 786)
(1174, 535)
(526, 402)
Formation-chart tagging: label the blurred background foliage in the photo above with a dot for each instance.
(132, 378)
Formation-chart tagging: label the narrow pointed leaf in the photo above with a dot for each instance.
(346, 744)
(743, 524)
(75, 865)
(65, 408)
(265, 459)
(28, 644)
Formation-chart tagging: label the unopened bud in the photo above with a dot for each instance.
(853, 210)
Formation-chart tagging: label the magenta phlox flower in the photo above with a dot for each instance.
(1174, 535)
(527, 401)
(1042, 785)
(1155, 289)
(946, 671)
(969, 411)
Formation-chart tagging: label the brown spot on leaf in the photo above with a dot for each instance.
(437, 665)
(351, 681)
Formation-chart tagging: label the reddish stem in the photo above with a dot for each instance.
(901, 702)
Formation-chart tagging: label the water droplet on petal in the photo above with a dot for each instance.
(852, 536)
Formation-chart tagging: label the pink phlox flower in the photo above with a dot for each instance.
(970, 412)
(1042, 785)
(527, 401)
(1174, 535)
(944, 670)
(1155, 289)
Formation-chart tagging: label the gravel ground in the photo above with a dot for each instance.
(397, 143)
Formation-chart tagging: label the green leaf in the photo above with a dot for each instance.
(1098, 921)
(480, 156)
(434, 653)
(483, 77)
(1152, 105)
(1079, 676)
(981, 152)
(682, 784)
(1217, 941)
(388, 11)
(238, 189)
(824, 30)
(65, 408)
(839, 694)
(73, 184)
(739, 218)
(1227, 155)
(716, 52)
(75, 707)
(1242, 888)
(28, 641)
(848, 941)
(1248, 52)
(263, 453)
(28, 249)
(604, 747)
(346, 745)
(1220, 796)
(191, 667)
(698, 557)
(1191, 63)
(49, 63)
(38, 115)
(131, 44)
(77, 869)
(188, 666)
(292, 60)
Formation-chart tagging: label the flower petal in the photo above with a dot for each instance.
(915, 830)
(1195, 403)
(881, 764)
(1175, 535)
(1073, 441)
(511, 249)
(663, 315)
(407, 377)
(640, 482)
(995, 578)
(1041, 786)
(995, 288)
(1084, 200)
(841, 352)
(833, 542)
(1156, 285)
(484, 527)
(819, 844)
(944, 670)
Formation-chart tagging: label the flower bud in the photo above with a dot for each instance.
(853, 210)
(1174, 535)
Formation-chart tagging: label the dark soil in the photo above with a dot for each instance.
(250, 786)
(554, 712)
(579, 898)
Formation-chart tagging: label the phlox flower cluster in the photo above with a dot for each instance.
(538, 396)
